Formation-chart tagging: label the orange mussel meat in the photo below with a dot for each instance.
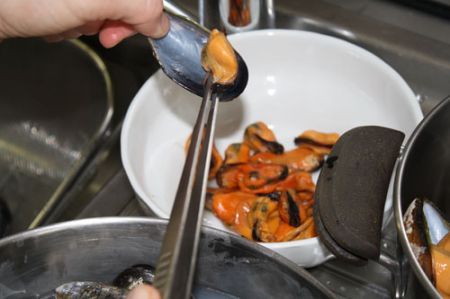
(260, 138)
(250, 176)
(237, 153)
(266, 194)
(299, 159)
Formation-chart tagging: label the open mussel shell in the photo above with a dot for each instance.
(179, 55)
(436, 225)
(425, 226)
(135, 276)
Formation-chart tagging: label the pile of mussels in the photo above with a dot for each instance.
(427, 230)
(121, 285)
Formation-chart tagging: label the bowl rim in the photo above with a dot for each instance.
(341, 44)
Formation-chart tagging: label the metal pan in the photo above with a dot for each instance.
(35, 262)
(424, 171)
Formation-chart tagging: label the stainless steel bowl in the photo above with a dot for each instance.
(35, 262)
(424, 171)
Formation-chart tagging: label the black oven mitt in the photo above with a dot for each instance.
(351, 192)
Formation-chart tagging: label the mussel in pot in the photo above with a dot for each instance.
(428, 234)
(88, 289)
(134, 276)
(122, 285)
(98, 249)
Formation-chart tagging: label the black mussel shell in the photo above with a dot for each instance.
(88, 289)
(414, 223)
(134, 276)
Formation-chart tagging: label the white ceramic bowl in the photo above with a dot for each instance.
(298, 81)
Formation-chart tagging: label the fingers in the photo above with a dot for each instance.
(145, 16)
(155, 28)
(113, 32)
(91, 28)
(61, 19)
(69, 34)
(144, 292)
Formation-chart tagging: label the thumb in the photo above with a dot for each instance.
(154, 28)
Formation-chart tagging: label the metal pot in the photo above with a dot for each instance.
(353, 183)
(424, 171)
(33, 263)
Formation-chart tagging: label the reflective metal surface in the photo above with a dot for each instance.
(423, 172)
(55, 105)
(99, 249)
(209, 14)
(179, 249)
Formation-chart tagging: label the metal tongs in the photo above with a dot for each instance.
(179, 54)
(175, 269)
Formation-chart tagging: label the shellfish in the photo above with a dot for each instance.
(134, 276)
(89, 289)
(428, 234)
(260, 138)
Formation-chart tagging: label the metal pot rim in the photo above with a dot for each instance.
(399, 174)
(105, 221)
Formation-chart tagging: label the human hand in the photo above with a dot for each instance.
(55, 20)
(144, 292)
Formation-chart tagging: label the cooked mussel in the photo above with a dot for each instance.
(227, 176)
(285, 232)
(219, 58)
(320, 143)
(299, 159)
(264, 219)
(237, 153)
(240, 14)
(88, 289)
(134, 276)
(251, 177)
(260, 138)
(216, 159)
(317, 138)
(225, 205)
(428, 234)
(415, 230)
(290, 211)
(436, 225)
(300, 181)
(215, 164)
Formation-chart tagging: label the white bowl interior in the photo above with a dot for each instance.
(298, 81)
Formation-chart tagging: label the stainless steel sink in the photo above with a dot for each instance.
(414, 43)
(55, 106)
(420, 55)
